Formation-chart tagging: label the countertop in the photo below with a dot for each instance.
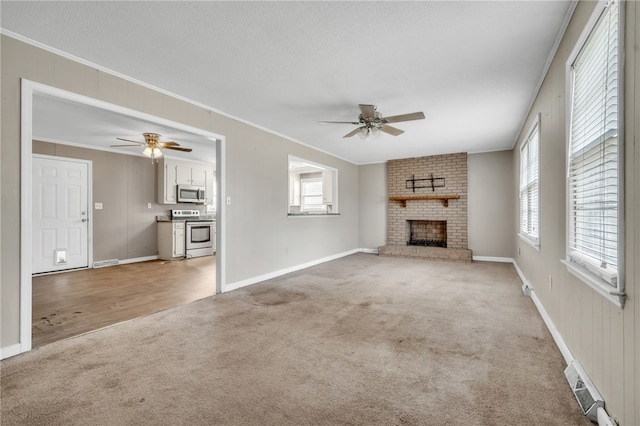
(168, 219)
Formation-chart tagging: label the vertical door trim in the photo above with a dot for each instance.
(26, 137)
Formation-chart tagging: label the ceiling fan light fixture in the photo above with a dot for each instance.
(369, 132)
(152, 152)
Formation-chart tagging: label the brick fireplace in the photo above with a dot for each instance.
(427, 208)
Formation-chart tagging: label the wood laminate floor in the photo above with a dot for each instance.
(72, 303)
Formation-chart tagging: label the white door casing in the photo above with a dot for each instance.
(60, 213)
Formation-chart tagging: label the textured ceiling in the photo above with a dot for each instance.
(471, 67)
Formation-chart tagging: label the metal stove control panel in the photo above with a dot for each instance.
(178, 214)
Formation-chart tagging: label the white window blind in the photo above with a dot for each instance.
(593, 170)
(529, 185)
(311, 195)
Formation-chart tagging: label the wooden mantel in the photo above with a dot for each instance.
(444, 198)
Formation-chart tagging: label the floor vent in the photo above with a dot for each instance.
(585, 392)
(103, 263)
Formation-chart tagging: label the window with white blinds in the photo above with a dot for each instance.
(529, 172)
(594, 181)
(311, 195)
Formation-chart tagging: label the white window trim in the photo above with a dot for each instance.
(615, 295)
(533, 241)
(336, 210)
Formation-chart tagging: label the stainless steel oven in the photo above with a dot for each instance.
(200, 232)
(200, 238)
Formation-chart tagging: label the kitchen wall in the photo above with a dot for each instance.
(602, 337)
(125, 228)
(261, 238)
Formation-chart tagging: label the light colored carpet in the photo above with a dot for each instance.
(363, 340)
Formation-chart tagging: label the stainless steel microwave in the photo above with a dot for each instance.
(190, 194)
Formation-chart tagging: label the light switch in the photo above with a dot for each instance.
(148, 205)
(98, 206)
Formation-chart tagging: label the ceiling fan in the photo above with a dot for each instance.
(371, 122)
(152, 145)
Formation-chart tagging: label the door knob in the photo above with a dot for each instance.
(84, 220)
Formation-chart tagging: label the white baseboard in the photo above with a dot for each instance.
(274, 274)
(11, 350)
(493, 259)
(138, 259)
(368, 250)
(557, 337)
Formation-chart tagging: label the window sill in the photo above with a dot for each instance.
(608, 292)
(532, 243)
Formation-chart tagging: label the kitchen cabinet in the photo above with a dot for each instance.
(175, 172)
(171, 240)
(198, 176)
(187, 174)
(294, 189)
(183, 174)
(209, 187)
(327, 187)
(167, 182)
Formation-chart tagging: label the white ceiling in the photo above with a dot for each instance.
(472, 67)
(68, 121)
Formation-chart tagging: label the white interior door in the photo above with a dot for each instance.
(60, 214)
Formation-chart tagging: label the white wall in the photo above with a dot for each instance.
(373, 205)
(491, 204)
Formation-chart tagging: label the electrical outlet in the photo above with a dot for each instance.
(148, 205)
(98, 206)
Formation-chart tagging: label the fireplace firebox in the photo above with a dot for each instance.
(427, 233)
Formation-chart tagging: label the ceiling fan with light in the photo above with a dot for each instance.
(152, 145)
(371, 122)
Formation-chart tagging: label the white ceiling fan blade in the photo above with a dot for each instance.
(368, 111)
(391, 130)
(404, 117)
(339, 122)
(353, 132)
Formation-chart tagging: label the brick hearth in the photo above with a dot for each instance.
(451, 167)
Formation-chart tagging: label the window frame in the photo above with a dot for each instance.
(292, 189)
(529, 238)
(577, 264)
